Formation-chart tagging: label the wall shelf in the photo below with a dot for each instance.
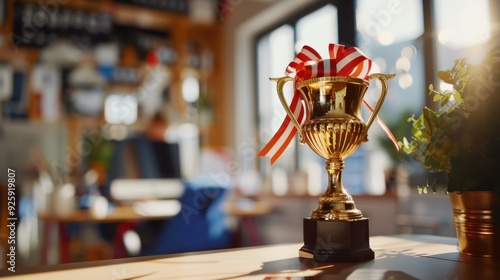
(181, 31)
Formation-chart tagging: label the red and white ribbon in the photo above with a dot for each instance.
(282, 138)
(350, 62)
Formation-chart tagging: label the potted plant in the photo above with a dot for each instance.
(462, 139)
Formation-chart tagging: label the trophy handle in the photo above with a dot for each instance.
(383, 78)
(279, 86)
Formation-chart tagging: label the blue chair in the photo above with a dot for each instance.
(200, 225)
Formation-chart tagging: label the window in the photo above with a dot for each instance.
(391, 34)
(324, 19)
(461, 31)
(412, 38)
(275, 50)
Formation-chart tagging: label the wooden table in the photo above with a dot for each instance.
(247, 211)
(396, 257)
(118, 214)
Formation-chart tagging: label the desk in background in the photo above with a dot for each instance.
(247, 211)
(116, 215)
(396, 257)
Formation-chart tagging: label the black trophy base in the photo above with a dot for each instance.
(336, 241)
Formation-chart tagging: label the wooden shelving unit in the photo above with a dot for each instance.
(181, 30)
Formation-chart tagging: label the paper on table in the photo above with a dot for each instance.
(157, 208)
(137, 189)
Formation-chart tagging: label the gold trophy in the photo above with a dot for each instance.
(333, 128)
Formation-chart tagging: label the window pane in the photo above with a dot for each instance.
(404, 56)
(274, 53)
(461, 30)
(389, 32)
(389, 21)
(318, 29)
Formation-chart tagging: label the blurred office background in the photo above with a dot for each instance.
(133, 125)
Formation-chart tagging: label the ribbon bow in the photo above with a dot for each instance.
(350, 62)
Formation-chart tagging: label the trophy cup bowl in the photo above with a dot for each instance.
(336, 231)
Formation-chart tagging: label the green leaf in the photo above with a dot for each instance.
(405, 143)
(437, 97)
(446, 99)
(430, 119)
(445, 76)
(431, 87)
(458, 97)
(419, 189)
(434, 187)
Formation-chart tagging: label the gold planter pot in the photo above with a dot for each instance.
(477, 233)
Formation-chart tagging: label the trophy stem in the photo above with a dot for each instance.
(334, 168)
(336, 203)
